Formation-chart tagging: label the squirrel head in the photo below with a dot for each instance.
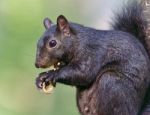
(54, 43)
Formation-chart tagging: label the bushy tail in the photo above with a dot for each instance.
(146, 12)
(135, 19)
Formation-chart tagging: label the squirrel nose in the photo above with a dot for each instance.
(37, 65)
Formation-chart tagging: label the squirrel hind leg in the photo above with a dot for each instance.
(116, 97)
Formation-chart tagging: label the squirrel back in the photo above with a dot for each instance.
(135, 19)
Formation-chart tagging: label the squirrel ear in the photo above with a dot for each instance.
(63, 25)
(47, 23)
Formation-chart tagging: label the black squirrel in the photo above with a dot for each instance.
(109, 68)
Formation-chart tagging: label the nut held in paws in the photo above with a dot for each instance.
(47, 88)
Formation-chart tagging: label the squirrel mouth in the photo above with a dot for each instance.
(55, 66)
(58, 65)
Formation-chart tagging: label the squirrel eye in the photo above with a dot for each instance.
(52, 43)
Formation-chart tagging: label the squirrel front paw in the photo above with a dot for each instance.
(40, 80)
(46, 78)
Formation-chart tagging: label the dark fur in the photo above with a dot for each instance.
(110, 69)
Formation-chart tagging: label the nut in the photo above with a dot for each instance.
(47, 88)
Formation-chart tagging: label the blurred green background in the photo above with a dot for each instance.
(20, 27)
